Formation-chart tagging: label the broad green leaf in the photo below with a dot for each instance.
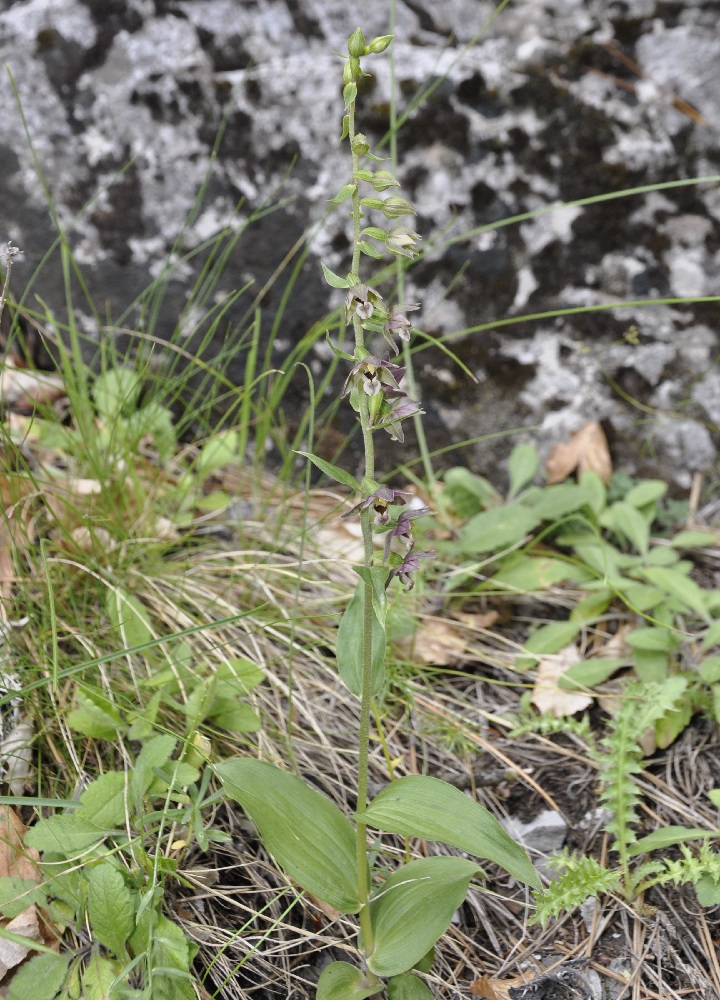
(16, 894)
(128, 616)
(94, 715)
(469, 493)
(233, 716)
(334, 280)
(350, 645)
(681, 587)
(115, 392)
(590, 672)
(648, 491)
(710, 669)
(304, 831)
(662, 555)
(342, 981)
(712, 636)
(522, 466)
(694, 540)
(553, 502)
(627, 520)
(594, 604)
(707, 891)
(68, 835)
(642, 596)
(408, 987)
(547, 640)
(414, 909)
(39, 979)
(155, 753)
(349, 94)
(240, 673)
(651, 637)
(673, 722)
(525, 573)
(594, 489)
(370, 251)
(376, 577)
(333, 471)
(103, 801)
(497, 528)
(171, 956)
(420, 806)
(218, 451)
(110, 908)
(666, 836)
(98, 976)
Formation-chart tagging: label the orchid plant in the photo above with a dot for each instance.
(403, 914)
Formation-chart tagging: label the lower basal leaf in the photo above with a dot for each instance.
(414, 908)
(304, 831)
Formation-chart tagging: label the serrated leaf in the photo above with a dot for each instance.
(155, 753)
(39, 979)
(414, 909)
(110, 908)
(497, 528)
(98, 977)
(522, 466)
(553, 502)
(94, 715)
(304, 831)
(652, 638)
(342, 981)
(128, 615)
(103, 801)
(68, 835)
(16, 894)
(425, 807)
(171, 955)
(350, 645)
(707, 891)
(333, 471)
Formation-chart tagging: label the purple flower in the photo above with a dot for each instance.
(374, 374)
(397, 407)
(379, 501)
(410, 564)
(363, 300)
(403, 529)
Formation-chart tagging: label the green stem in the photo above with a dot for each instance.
(366, 522)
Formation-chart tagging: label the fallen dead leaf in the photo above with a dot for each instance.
(548, 698)
(497, 989)
(477, 620)
(11, 952)
(15, 858)
(586, 449)
(21, 389)
(434, 641)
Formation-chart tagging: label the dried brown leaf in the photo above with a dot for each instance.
(16, 859)
(586, 449)
(550, 699)
(21, 389)
(434, 641)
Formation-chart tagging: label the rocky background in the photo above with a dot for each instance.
(556, 101)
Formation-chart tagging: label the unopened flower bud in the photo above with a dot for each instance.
(380, 43)
(395, 207)
(356, 44)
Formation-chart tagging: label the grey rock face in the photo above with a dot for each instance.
(124, 101)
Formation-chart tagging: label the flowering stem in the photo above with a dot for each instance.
(366, 524)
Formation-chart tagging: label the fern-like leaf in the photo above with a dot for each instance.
(582, 877)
